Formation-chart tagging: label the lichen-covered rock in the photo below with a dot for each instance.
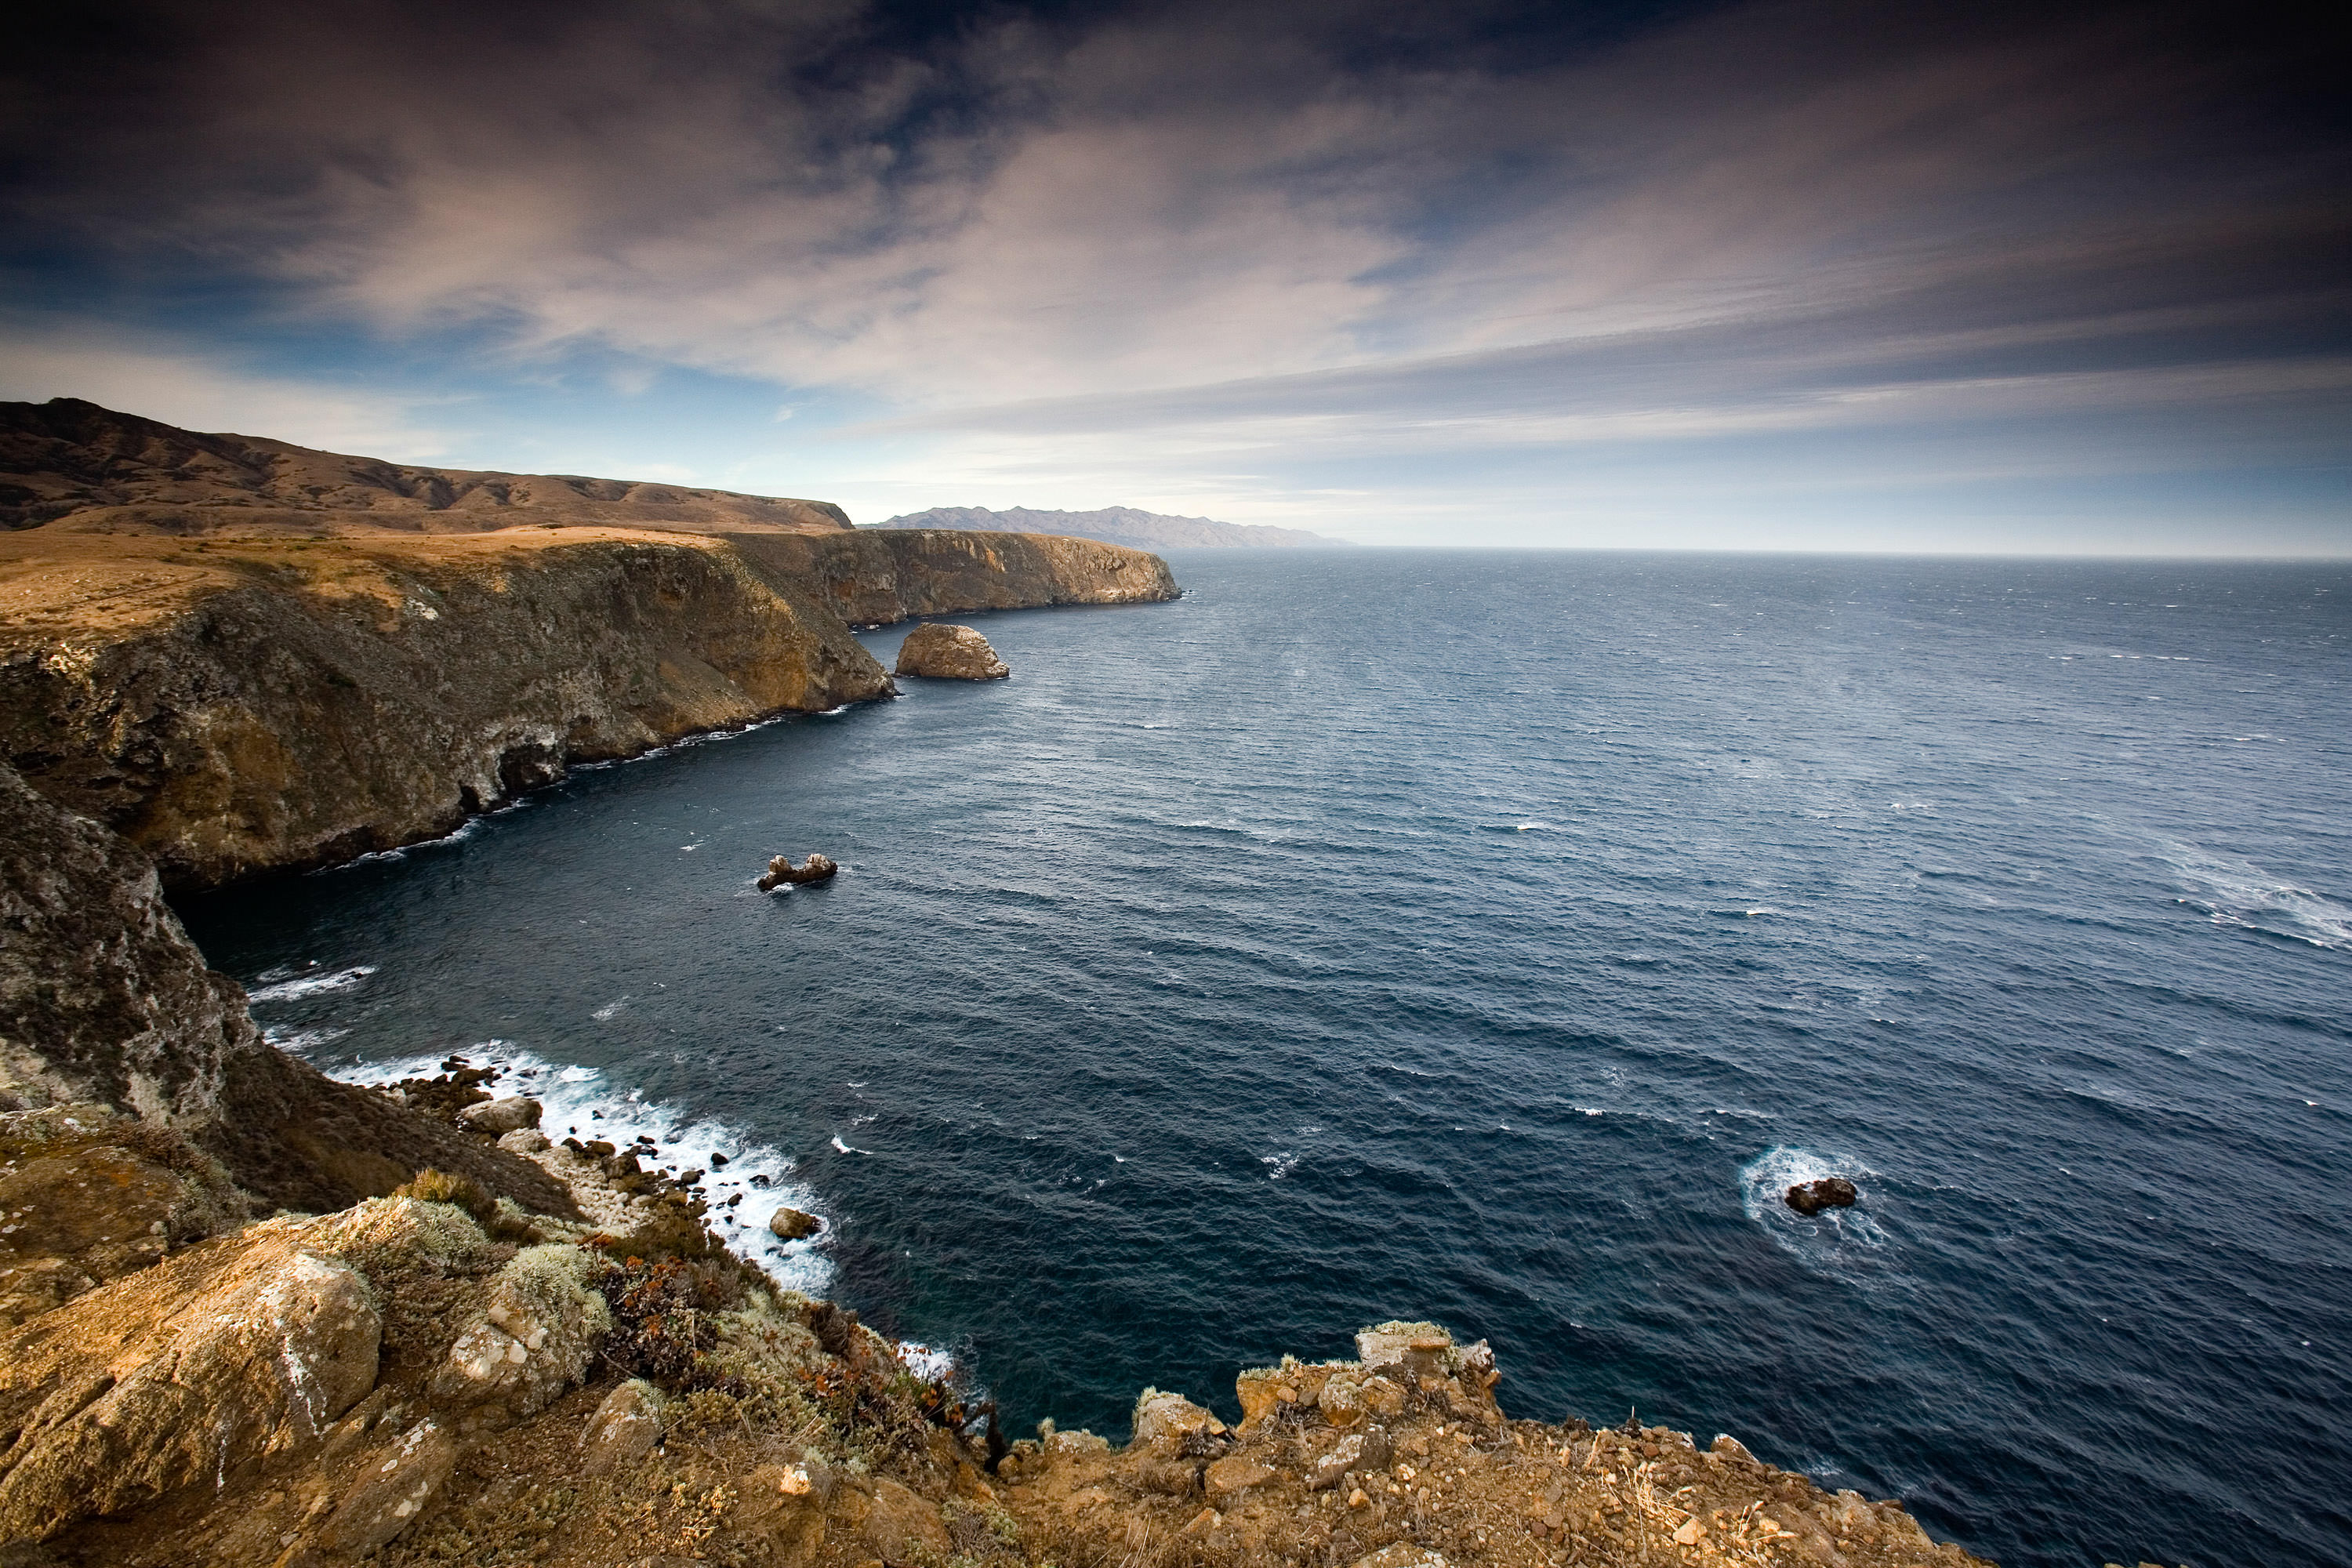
(534, 1337)
(173, 1377)
(88, 1194)
(1165, 1420)
(623, 1429)
(950, 653)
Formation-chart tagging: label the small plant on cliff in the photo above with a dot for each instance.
(501, 1218)
(663, 1328)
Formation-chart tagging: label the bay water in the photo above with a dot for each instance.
(1493, 937)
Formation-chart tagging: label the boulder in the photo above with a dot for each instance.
(1165, 1420)
(1403, 1554)
(1829, 1193)
(623, 1429)
(794, 1224)
(500, 1117)
(535, 1337)
(1358, 1452)
(1234, 1473)
(394, 1488)
(783, 872)
(950, 653)
(180, 1375)
(524, 1141)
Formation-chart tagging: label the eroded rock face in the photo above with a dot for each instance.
(102, 996)
(176, 1376)
(370, 693)
(88, 1194)
(942, 652)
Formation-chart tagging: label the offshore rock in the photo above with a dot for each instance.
(950, 653)
(792, 1225)
(1829, 1193)
(783, 872)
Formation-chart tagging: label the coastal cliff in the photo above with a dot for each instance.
(248, 658)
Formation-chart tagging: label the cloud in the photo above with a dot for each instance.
(1196, 238)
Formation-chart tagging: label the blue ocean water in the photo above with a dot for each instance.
(1492, 936)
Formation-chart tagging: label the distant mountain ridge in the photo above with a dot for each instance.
(1114, 525)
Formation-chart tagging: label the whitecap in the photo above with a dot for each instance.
(311, 984)
(299, 1042)
(610, 1010)
(1283, 1163)
(2241, 894)
(846, 1148)
(1534, 828)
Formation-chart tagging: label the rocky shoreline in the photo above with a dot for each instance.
(252, 1315)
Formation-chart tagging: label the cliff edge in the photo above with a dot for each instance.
(248, 658)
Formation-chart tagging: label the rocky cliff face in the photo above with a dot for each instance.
(233, 708)
(875, 577)
(106, 1005)
(247, 656)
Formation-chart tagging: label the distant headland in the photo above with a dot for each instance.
(1116, 525)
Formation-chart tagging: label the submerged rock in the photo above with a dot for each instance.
(780, 870)
(1829, 1193)
(950, 653)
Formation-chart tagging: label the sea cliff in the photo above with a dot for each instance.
(248, 658)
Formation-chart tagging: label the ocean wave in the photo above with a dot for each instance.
(2240, 894)
(577, 1101)
(288, 985)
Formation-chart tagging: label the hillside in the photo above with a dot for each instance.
(1116, 525)
(74, 464)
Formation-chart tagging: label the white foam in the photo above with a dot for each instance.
(1848, 1243)
(299, 1042)
(1534, 828)
(610, 1010)
(573, 1096)
(924, 1362)
(279, 988)
(1284, 1162)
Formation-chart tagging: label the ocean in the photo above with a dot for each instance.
(1492, 937)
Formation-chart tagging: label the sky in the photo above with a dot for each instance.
(1804, 275)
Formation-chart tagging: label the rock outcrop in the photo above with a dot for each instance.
(941, 652)
(104, 1000)
(1829, 1193)
(782, 872)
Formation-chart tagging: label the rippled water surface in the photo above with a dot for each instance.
(1492, 937)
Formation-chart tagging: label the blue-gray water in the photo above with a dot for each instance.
(1489, 936)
